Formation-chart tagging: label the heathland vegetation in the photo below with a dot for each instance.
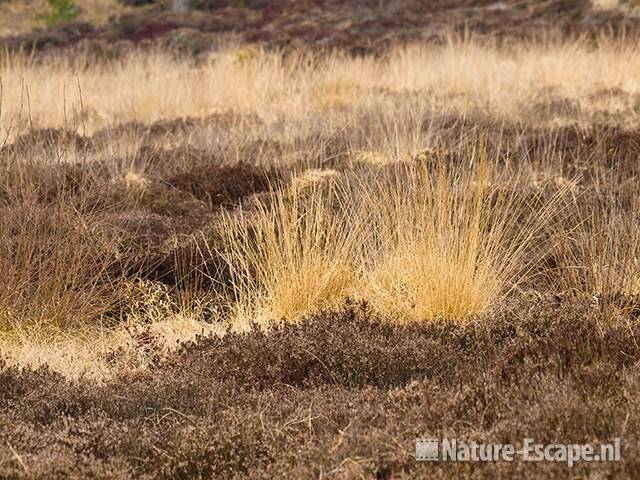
(270, 259)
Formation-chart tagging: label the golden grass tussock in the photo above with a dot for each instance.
(464, 77)
(423, 240)
(294, 255)
(449, 239)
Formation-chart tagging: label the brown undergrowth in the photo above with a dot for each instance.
(342, 394)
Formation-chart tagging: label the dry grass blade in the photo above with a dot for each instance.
(54, 269)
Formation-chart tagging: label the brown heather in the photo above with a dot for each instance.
(341, 395)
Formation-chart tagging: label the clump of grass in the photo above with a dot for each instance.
(431, 239)
(292, 256)
(54, 269)
(450, 238)
(596, 251)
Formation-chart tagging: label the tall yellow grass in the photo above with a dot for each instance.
(294, 255)
(431, 240)
(446, 235)
(450, 238)
(463, 77)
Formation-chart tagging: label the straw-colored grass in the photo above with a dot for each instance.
(462, 77)
(53, 270)
(444, 236)
(450, 238)
(433, 240)
(294, 255)
(596, 252)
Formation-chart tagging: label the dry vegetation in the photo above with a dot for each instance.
(545, 83)
(343, 238)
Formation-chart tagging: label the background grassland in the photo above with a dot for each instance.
(544, 83)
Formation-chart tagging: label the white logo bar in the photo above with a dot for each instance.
(434, 450)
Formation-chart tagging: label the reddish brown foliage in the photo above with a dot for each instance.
(304, 398)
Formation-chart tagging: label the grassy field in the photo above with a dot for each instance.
(267, 259)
